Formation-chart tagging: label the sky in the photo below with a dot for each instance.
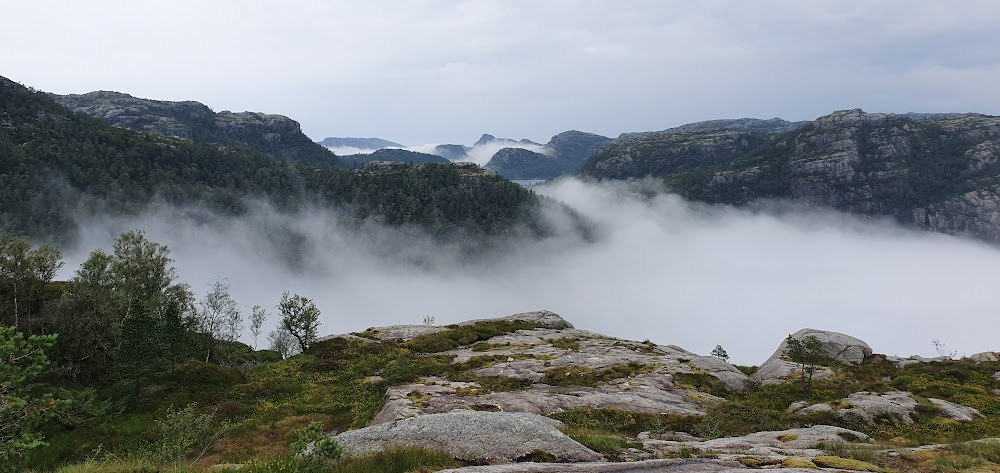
(436, 71)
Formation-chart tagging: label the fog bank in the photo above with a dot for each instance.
(661, 269)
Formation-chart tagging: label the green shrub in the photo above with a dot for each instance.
(565, 343)
(703, 382)
(182, 431)
(391, 460)
(624, 422)
(314, 444)
(605, 443)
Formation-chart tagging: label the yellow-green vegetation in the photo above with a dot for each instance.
(460, 335)
(584, 376)
(622, 422)
(981, 456)
(827, 461)
(850, 449)
(418, 398)
(600, 441)
(124, 466)
(797, 463)
(395, 460)
(483, 346)
(700, 381)
(787, 437)
(565, 343)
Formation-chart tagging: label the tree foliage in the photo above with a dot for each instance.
(808, 353)
(300, 317)
(54, 162)
(219, 317)
(22, 408)
(24, 271)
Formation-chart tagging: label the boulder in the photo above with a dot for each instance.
(473, 436)
(984, 357)
(867, 408)
(791, 442)
(901, 362)
(838, 346)
(956, 411)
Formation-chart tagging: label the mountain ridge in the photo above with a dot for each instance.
(939, 172)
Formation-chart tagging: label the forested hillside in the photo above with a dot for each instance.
(56, 165)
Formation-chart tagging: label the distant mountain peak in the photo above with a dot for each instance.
(485, 139)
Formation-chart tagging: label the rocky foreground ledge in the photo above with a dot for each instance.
(543, 396)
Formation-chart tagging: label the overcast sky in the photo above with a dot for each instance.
(422, 72)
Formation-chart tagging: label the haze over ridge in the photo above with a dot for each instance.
(664, 269)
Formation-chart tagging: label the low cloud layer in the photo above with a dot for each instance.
(661, 268)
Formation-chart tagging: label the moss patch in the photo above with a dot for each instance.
(845, 464)
(797, 463)
(584, 376)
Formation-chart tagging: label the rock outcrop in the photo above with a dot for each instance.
(869, 408)
(494, 397)
(789, 450)
(482, 437)
(956, 411)
(651, 376)
(695, 465)
(276, 135)
(837, 346)
(799, 443)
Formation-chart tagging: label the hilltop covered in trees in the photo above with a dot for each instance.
(56, 165)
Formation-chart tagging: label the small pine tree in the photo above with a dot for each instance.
(720, 353)
(808, 354)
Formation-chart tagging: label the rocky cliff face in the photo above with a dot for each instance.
(666, 153)
(771, 125)
(276, 135)
(937, 172)
(520, 163)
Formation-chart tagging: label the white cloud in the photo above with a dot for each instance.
(662, 269)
